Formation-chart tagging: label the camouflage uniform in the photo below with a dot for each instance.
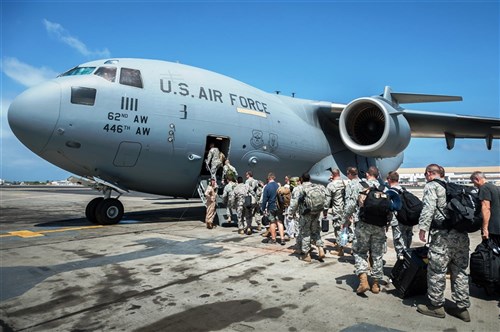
(335, 192)
(239, 193)
(309, 225)
(369, 239)
(256, 189)
(226, 194)
(213, 160)
(447, 249)
(351, 208)
(401, 234)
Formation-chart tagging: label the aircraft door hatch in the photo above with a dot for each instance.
(223, 144)
(127, 154)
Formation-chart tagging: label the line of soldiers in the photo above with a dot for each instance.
(448, 249)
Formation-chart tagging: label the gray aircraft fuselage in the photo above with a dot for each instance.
(154, 138)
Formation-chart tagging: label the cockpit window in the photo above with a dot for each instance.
(131, 77)
(83, 96)
(78, 71)
(108, 73)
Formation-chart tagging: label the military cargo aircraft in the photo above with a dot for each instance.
(146, 125)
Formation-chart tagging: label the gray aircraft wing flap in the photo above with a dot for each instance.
(428, 124)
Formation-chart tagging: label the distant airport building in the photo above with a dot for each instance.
(63, 183)
(415, 176)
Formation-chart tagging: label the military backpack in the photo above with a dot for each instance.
(374, 205)
(314, 198)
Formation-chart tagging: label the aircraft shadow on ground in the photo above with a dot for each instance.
(138, 217)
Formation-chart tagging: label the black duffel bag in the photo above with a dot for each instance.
(485, 266)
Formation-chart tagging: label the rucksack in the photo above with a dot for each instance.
(294, 182)
(374, 205)
(283, 196)
(314, 198)
(230, 174)
(463, 207)
(411, 207)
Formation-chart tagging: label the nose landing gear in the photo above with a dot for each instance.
(104, 211)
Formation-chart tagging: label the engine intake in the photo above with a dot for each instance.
(371, 127)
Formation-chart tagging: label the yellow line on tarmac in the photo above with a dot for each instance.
(27, 234)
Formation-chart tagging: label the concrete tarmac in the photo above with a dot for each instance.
(160, 269)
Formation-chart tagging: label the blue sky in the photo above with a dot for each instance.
(323, 50)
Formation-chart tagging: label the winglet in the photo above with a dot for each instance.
(410, 98)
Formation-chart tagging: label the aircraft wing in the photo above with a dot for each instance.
(379, 127)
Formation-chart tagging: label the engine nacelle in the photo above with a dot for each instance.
(371, 127)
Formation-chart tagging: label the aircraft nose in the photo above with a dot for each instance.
(33, 115)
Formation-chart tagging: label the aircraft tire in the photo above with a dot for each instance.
(91, 209)
(109, 211)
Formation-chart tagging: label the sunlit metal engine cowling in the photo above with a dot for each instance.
(373, 128)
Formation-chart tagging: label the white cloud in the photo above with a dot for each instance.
(58, 31)
(25, 74)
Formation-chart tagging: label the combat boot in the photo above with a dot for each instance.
(363, 284)
(375, 287)
(306, 257)
(461, 313)
(431, 310)
(321, 253)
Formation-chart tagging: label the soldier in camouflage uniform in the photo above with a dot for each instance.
(448, 249)
(369, 240)
(256, 186)
(226, 194)
(238, 199)
(309, 226)
(351, 208)
(335, 191)
(213, 160)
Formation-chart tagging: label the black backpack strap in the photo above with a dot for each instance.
(441, 182)
(364, 184)
(399, 191)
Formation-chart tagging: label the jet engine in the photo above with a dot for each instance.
(372, 127)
